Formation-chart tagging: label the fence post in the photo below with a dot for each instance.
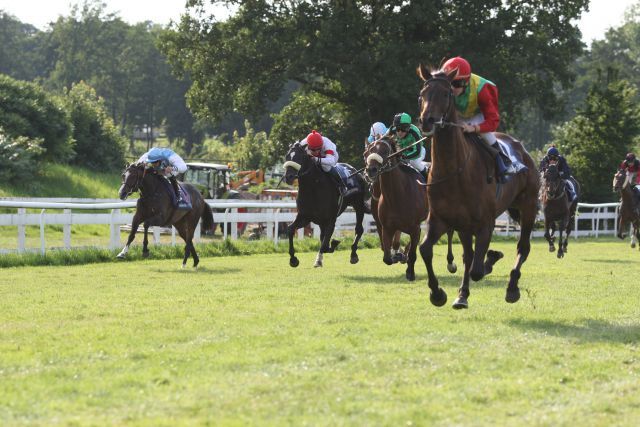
(114, 230)
(22, 229)
(66, 229)
(42, 241)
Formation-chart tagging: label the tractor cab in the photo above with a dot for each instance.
(211, 179)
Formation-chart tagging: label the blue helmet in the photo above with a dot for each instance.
(155, 154)
(553, 151)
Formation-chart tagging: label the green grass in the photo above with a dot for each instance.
(67, 181)
(248, 340)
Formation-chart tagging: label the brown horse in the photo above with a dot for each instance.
(462, 194)
(155, 208)
(402, 204)
(557, 208)
(623, 185)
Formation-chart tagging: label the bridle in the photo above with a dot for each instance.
(443, 122)
(139, 178)
(386, 164)
(295, 165)
(554, 189)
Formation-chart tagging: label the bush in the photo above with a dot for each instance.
(18, 158)
(97, 142)
(27, 110)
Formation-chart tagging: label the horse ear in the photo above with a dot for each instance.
(423, 72)
(452, 75)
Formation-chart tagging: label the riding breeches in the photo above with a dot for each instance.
(418, 163)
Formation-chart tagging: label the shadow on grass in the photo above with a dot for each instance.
(589, 331)
(200, 270)
(606, 261)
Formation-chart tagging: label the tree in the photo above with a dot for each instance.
(599, 136)
(362, 54)
(27, 110)
(97, 142)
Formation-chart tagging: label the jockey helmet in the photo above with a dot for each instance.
(630, 157)
(155, 154)
(378, 128)
(314, 140)
(460, 65)
(553, 151)
(402, 121)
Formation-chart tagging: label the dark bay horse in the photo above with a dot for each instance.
(463, 196)
(155, 208)
(318, 201)
(557, 208)
(623, 185)
(402, 204)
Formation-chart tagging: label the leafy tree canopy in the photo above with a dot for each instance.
(362, 54)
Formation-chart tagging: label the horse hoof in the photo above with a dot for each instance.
(477, 275)
(334, 244)
(438, 298)
(460, 303)
(184, 266)
(560, 254)
(145, 254)
(452, 267)
(411, 276)
(387, 260)
(512, 296)
(317, 264)
(354, 259)
(120, 256)
(294, 262)
(633, 245)
(552, 248)
(495, 256)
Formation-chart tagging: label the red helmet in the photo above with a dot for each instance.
(460, 65)
(314, 140)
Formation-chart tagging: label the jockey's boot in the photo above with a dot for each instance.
(425, 172)
(181, 204)
(503, 164)
(342, 188)
(570, 191)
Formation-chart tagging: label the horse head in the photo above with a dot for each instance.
(131, 179)
(377, 156)
(622, 180)
(436, 100)
(297, 163)
(553, 183)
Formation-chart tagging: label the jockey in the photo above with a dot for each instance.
(631, 165)
(324, 153)
(168, 164)
(377, 131)
(553, 155)
(476, 100)
(406, 135)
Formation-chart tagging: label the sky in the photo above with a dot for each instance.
(602, 15)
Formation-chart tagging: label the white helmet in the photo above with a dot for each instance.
(377, 130)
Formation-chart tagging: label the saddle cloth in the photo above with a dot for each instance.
(345, 170)
(185, 195)
(513, 155)
(410, 169)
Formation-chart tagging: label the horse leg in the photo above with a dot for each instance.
(466, 239)
(410, 273)
(299, 222)
(359, 230)
(527, 220)
(387, 238)
(483, 238)
(547, 235)
(145, 241)
(326, 231)
(451, 266)
(561, 226)
(189, 249)
(396, 252)
(135, 223)
(435, 229)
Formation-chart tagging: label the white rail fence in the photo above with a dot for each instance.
(269, 215)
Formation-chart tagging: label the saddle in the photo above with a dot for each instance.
(407, 168)
(346, 172)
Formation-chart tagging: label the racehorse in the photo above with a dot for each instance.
(402, 204)
(557, 208)
(319, 201)
(463, 195)
(623, 185)
(155, 208)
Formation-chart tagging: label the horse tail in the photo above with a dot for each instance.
(207, 218)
